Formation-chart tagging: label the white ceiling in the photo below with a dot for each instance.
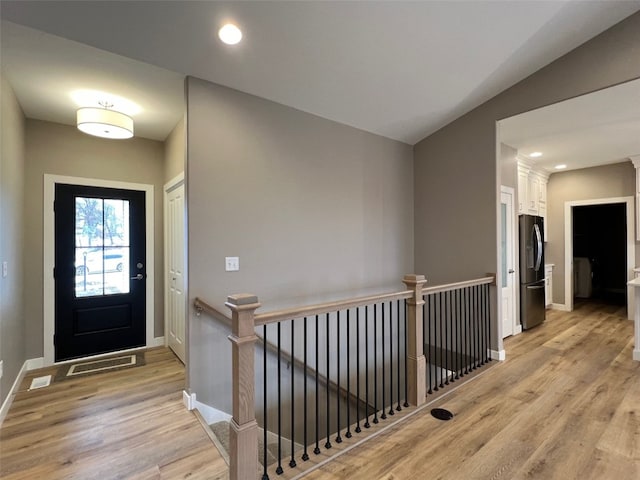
(398, 69)
(596, 129)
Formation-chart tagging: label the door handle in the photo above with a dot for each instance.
(511, 270)
(138, 277)
(535, 288)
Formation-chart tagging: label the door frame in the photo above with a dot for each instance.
(49, 255)
(172, 184)
(568, 247)
(516, 327)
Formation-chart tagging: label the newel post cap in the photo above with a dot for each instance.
(413, 279)
(242, 301)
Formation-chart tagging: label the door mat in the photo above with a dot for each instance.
(92, 367)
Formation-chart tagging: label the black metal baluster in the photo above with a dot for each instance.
(441, 343)
(384, 413)
(487, 314)
(427, 319)
(406, 341)
(460, 337)
(475, 328)
(358, 429)
(375, 364)
(391, 412)
(305, 454)
(479, 326)
(292, 462)
(465, 306)
(366, 365)
(338, 436)
(398, 407)
(279, 470)
(447, 335)
(265, 475)
(317, 449)
(488, 322)
(327, 445)
(348, 434)
(454, 338)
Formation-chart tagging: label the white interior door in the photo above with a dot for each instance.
(175, 299)
(507, 255)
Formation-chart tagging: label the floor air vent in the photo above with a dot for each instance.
(40, 382)
(441, 414)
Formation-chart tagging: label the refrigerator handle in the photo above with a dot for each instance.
(539, 245)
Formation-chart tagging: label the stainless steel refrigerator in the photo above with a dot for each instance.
(532, 281)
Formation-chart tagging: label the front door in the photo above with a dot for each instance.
(507, 256)
(100, 271)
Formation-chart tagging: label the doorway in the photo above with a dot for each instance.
(106, 259)
(100, 270)
(577, 265)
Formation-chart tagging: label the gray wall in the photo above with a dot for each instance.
(509, 168)
(12, 293)
(312, 208)
(617, 180)
(456, 179)
(63, 150)
(174, 152)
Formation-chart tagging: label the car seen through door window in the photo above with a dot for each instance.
(98, 260)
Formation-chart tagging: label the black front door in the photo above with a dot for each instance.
(100, 270)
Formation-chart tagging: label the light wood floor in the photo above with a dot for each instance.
(129, 424)
(565, 405)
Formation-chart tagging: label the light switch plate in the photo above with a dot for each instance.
(1, 368)
(232, 264)
(5, 268)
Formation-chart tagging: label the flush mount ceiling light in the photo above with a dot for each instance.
(535, 154)
(562, 166)
(103, 122)
(230, 34)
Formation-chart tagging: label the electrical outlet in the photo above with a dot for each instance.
(232, 264)
(5, 268)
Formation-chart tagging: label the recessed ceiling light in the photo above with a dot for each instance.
(535, 154)
(230, 34)
(562, 166)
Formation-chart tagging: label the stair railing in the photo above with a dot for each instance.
(451, 321)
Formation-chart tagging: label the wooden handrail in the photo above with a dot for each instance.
(322, 308)
(202, 306)
(454, 286)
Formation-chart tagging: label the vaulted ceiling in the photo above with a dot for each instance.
(397, 69)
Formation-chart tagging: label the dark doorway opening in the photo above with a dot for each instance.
(600, 253)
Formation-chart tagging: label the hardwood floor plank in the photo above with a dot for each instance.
(122, 424)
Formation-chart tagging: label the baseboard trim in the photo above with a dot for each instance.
(636, 355)
(500, 355)
(517, 330)
(35, 363)
(211, 415)
(560, 306)
(6, 405)
(188, 400)
(158, 342)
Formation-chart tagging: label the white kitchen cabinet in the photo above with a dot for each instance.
(523, 186)
(548, 284)
(532, 192)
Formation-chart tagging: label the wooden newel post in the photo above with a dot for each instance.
(243, 439)
(416, 362)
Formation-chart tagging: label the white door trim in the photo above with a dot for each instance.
(568, 247)
(172, 184)
(516, 327)
(49, 253)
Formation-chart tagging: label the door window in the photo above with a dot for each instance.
(101, 246)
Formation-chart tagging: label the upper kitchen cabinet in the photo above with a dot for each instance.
(532, 192)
